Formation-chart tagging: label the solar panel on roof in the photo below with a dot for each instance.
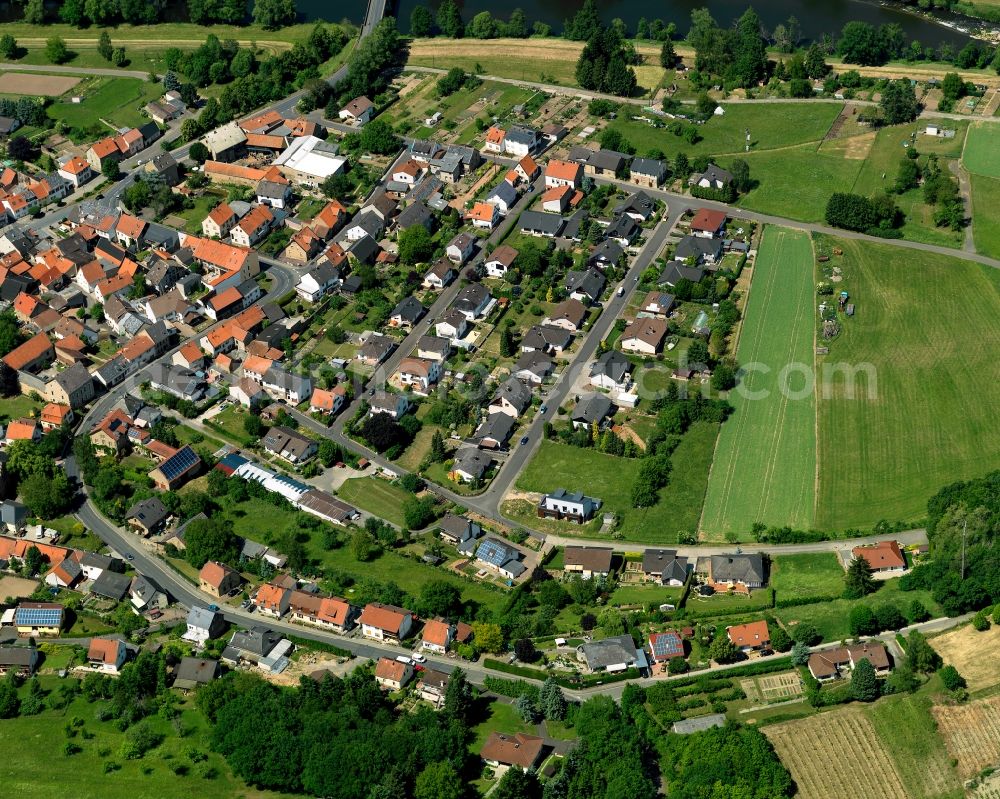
(667, 646)
(178, 464)
(39, 617)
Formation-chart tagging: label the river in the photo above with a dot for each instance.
(815, 16)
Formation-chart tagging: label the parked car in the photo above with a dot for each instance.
(524, 440)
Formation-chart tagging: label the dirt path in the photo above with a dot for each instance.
(965, 190)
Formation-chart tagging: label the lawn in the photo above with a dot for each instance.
(883, 160)
(113, 100)
(982, 150)
(816, 574)
(200, 207)
(230, 423)
(18, 407)
(558, 465)
(500, 717)
(927, 414)
(377, 496)
(985, 224)
(765, 460)
(771, 127)
(832, 618)
(796, 182)
(644, 594)
(39, 741)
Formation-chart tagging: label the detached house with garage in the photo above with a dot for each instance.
(574, 507)
(587, 561)
(512, 397)
(883, 557)
(500, 261)
(751, 637)
(644, 336)
(664, 567)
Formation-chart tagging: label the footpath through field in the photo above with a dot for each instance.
(765, 459)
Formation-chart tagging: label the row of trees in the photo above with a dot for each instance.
(269, 14)
(877, 215)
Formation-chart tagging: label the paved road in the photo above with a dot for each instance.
(11, 66)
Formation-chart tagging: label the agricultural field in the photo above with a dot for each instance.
(34, 83)
(982, 150)
(816, 574)
(854, 762)
(971, 733)
(885, 447)
(985, 224)
(963, 648)
(765, 459)
(766, 688)
(106, 102)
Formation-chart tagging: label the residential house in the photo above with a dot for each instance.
(591, 410)
(548, 338)
(512, 397)
(607, 163)
(329, 220)
(615, 654)
(218, 579)
(612, 371)
(697, 250)
(501, 751)
(647, 172)
(55, 415)
(103, 151)
(418, 374)
(884, 557)
(23, 430)
(289, 444)
(376, 349)
(665, 646)
(829, 664)
(146, 595)
(503, 196)
(331, 613)
(585, 286)
(65, 574)
(357, 112)
(38, 618)
(203, 624)
(606, 254)
(435, 348)
(473, 301)
(483, 215)
(708, 224)
(226, 143)
(587, 561)
(272, 600)
(452, 325)
(562, 504)
(106, 655)
(148, 516)
(751, 637)
(395, 405)
(563, 173)
(495, 431)
(219, 222)
(713, 178)
(623, 229)
(470, 465)
(437, 636)
(644, 336)
(457, 530)
(500, 557)
(193, 672)
(441, 273)
(500, 261)
(413, 215)
(533, 367)
(76, 171)
(253, 227)
(407, 313)
(33, 355)
(386, 623)
(293, 389)
(746, 571)
(320, 280)
(392, 674)
(22, 660)
(274, 193)
(658, 303)
(494, 140)
(640, 207)
(260, 647)
(327, 402)
(570, 314)
(527, 169)
(520, 141)
(73, 387)
(663, 566)
(539, 223)
(460, 248)
(110, 585)
(676, 272)
(557, 199)
(303, 247)
(432, 686)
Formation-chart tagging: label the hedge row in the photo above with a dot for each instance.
(511, 688)
(805, 600)
(566, 682)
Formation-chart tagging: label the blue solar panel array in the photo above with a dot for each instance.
(494, 553)
(176, 465)
(38, 617)
(667, 646)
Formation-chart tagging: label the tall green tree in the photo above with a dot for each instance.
(439, 781)
(899, 102)
(449, 19)
(750, 50)
(864, 682)
(421, 21)
(274, 14)
(858, 581)
(586, 23)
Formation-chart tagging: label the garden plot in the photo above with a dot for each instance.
(772, 687)
(38, 85)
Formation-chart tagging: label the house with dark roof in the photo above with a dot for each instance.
(612, 654)
(111, 585)
(546, 338)
(457, 530)
(288, 444)
(407, 313)
(675, 272)
(714, 177)
(647, 172)
(495, 431)
(193, 672)
(587, 561)
(608, 253)
(585, 286)
(732, 570)
(612, 371)
(569, 506)
(664, 567)
(147, 516)
(512, 397)
(500, 557)
(539, 223)
(533, 367)
(639, 206)
(470, 464)
(590, 410)
(829, 664)
(623, 229)
(698, 250)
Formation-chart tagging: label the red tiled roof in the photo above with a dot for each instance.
(883, 555)
(104, 650)
(708, 220)
(754, 633)
(31, 350)
(562, 170)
